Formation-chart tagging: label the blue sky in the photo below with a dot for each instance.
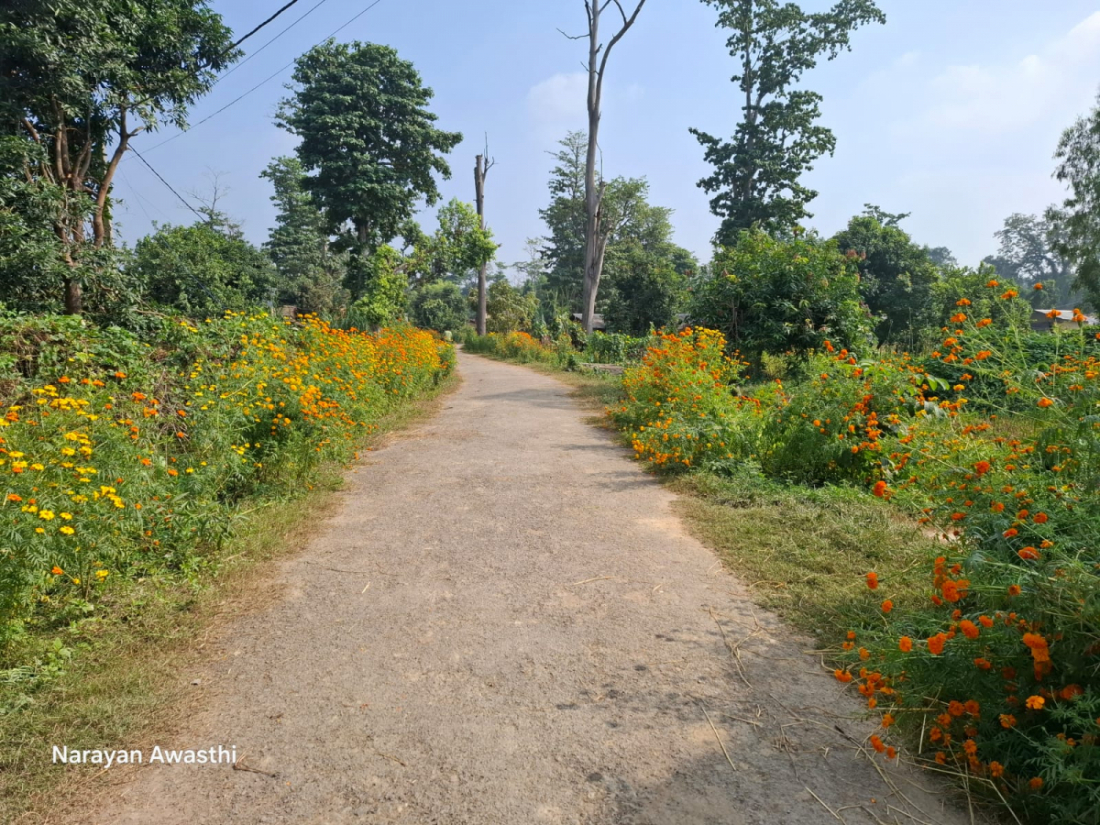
(951, 111)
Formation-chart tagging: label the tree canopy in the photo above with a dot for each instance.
(896, 275)
(311, 274)
(369, 144)
(79, 79)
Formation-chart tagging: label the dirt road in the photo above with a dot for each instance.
(505, 623)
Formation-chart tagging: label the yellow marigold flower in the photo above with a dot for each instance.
(67, 530)
(46, 514)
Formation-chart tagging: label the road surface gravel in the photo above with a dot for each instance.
(505, 623)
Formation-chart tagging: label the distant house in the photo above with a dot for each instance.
(1043, 321)
(597, 321)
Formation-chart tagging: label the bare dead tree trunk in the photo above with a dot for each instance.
(595, 239)
(480, 171)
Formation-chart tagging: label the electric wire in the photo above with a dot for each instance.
(263, 82)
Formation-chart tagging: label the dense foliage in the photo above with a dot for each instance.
(777, 296)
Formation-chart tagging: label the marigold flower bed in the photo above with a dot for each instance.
(121, 459)
(992, 671)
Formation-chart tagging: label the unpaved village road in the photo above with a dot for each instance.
(541, 642)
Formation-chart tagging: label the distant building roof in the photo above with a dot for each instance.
(597, 320)
(1062, 315)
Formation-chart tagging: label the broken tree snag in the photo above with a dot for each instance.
(481, 169)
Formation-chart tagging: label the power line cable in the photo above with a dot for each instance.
(201, 66)
(183, 200)
(269, 42)
(263, 82)
(276, 14)
(217, 301)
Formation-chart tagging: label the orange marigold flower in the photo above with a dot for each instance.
(1009, 294)
(982, 467)
(983, 664)
(970, 746)
(972, 707)
(1028, 553)
(842, 676)
(1035, 783)
(956, 708)
(1045, 402)
(887, 720)
(877, 743)
(887, 606)
(969, 629)
(1014, 590)
(1035, 702)
(1010, 532)
(57, 571)
(879, 488)
(992, 284)
(891, 753)
(1041, 518)
(1038, 286)
(1070, 692)
(935, 644)
(905, 644)
(1007, 720)
(872, 580)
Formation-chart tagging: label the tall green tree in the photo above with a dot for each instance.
(1077, 220)
(563, 247)
(369, 145)
(78, 80)
(457, 249)
(311, 274)
(896, 275)
(1028, 255)
(646, 273)
(627, 218)
(756, 175)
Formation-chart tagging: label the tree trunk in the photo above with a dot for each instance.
(74, 298)
(480, 170)
(592, 195)
(595, 239)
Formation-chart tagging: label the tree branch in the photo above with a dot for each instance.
(619, 36)
(571, 37)
(34, 132)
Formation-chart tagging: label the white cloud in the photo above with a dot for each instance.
(1014, 95)
(560, 99)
